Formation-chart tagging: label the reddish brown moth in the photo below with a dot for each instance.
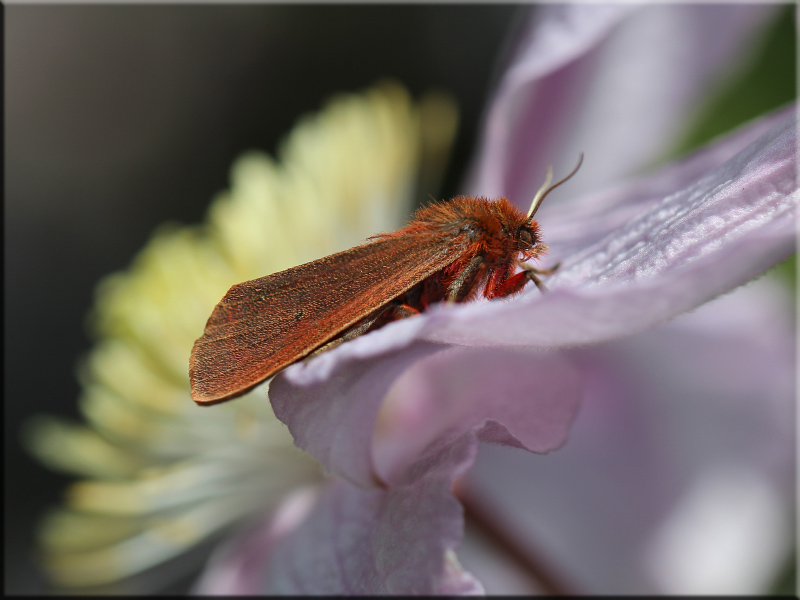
(448, 252)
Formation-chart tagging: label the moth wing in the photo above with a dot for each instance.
(266, 324)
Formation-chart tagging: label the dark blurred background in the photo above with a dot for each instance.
(119, 118)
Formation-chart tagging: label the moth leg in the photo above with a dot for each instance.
(530, 272)
(535, 279)
(516, 282)
(464, 279)
(549, 271)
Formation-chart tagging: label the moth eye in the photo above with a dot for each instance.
(525, 238)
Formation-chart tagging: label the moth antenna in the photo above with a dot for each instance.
(544, 190)
(537, 199)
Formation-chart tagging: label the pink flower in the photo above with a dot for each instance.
(668, 418)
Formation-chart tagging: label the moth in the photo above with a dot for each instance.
(450, 251)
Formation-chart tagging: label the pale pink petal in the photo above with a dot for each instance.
(707, 399)
(399, 537)
(520, 398)
(616, 82)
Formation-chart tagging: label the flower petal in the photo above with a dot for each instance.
(523, 399)
(706, 400)
(611, 81)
